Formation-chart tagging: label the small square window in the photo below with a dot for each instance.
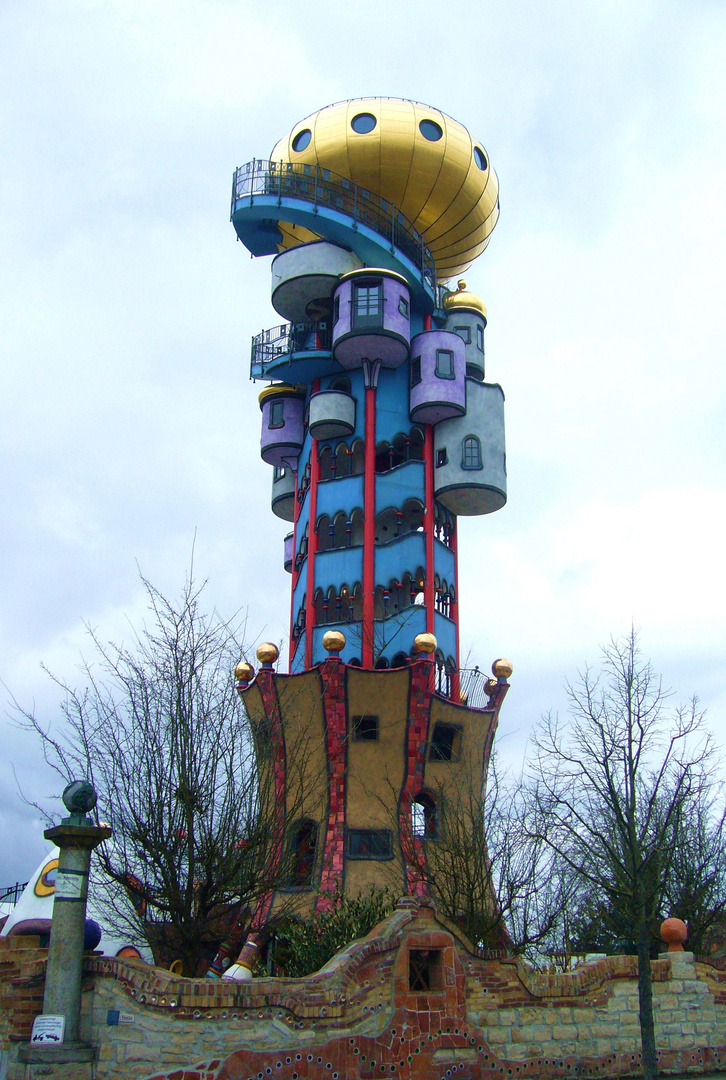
(464, 333)
(415, 370)
(280, 471)
(424, 970)
(365, 728)
(368, 844)
(480, 337)
(277, 414)
(445, 743)
(442, 458)
(403, 306)
(444, 364)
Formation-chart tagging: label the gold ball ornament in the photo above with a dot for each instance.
(244, 672)
(490, 687)
(267, 652)
(502, 668)
(425, 643)
(333, 641)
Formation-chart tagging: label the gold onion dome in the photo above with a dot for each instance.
(411, 155)
(463, 300)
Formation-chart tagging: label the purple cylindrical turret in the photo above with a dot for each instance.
(438, 377)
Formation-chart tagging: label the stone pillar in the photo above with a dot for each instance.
(76, 836)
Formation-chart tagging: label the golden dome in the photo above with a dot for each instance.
(244, 672)
(502, 668)
(278, 390)
(413, 156)
(461, 299)
(333, 641)
(267, 653)
(425, 643)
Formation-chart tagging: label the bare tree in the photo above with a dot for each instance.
(158, 729)
(612, 789)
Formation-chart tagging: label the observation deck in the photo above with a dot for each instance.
(326, 204)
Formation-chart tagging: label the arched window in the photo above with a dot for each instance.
(399, 660)
(303, 839)
(471, 453)
(416, 445)
(357, 602)
(339, 530)
(325, 459)
(357, 520)
(378, 607)
(425, 817)
(323, 531)
(341, 382)
(318, 602)
(342, 460)
(357, 461)
(382, 663)
(333, 602)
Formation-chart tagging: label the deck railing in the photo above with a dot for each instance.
(324, 188)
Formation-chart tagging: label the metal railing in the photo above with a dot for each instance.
(10, 894)
(472, 684)
(284, 340)
(325, 188)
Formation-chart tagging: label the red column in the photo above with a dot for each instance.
(295, 575)
(312, 545)
(454, 608)
(369, 528)
(429, 529)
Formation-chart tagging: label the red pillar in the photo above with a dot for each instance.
(429, 528)
(454, 609)
(312, 545)
(295, 574)
(369, 528)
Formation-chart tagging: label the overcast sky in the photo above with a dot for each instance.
(126, 311)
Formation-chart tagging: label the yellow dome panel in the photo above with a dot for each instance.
(415, 157)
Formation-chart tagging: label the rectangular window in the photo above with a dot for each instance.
(424, 970)
(464, 333)
(365, 728)
(367, 304)
(480, 338)
(442, 458)
(444, 364)
(445, 743)
(415, 371)
(277, 414)
(279, 472)
(403, 306)
(336, 309)
(368, 844)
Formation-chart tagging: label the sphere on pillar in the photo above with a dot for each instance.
(502, 668)
(425, 644)
(267, 653)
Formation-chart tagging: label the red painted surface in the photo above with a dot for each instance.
(454, 608)
(295, 574)
(369, 528)
(312, 545)
(332, 674)
(429, 586)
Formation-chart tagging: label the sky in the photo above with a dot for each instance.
(129, 425)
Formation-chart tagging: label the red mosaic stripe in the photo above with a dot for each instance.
(332, 672)
(414, 854)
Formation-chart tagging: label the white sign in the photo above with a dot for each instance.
(126, 1018)
(48, 1029)
(69, 885)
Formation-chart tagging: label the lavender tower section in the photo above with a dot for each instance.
(282, 425)
(371, 319)
(438, 377)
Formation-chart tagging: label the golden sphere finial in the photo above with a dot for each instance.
(461, 285)
(267, 652)
(490, 687)
(333, 641)
(425, 643)
(244, 672)
(502, 668)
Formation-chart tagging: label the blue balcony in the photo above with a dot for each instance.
(293, 352)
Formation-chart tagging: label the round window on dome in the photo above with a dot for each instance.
(363, 123)
(302, 140)
(430, 130)
(480, 159)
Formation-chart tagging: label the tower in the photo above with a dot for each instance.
(381, 431)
